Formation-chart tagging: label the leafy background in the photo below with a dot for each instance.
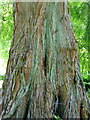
(6, 31)
(80, 17)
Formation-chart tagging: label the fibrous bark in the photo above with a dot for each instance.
(43, 77)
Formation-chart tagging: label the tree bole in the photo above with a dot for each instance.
(43, 77)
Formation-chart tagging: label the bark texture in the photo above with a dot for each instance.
(43, 77)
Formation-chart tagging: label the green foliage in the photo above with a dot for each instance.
(57, 117)
(80, 13)
(88, 94)
(6, 31)
(79, 16)
(1, 77)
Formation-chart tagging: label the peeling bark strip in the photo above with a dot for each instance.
(43, 77)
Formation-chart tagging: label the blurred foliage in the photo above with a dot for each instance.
(80, 17)
(80, 14)
(57, 117)
(6, 28)
(6, 31)
(1, 77)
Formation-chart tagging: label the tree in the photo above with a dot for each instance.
(43, 77)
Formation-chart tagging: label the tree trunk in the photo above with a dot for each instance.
(43, 77)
